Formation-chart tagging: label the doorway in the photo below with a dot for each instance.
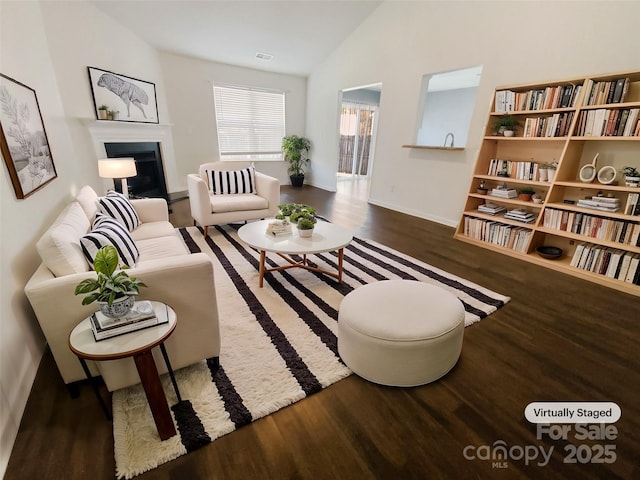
(359, 111)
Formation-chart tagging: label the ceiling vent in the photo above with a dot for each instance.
(264, 56)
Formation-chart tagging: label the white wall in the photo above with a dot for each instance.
(447, 111)
(189, 84)
(402, 41)
(47, 46)
(24, 56)
(106, 45)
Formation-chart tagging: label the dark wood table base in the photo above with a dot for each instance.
(152, 385)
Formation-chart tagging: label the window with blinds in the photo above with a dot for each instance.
(250, 122)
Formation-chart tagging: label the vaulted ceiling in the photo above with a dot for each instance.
(298, 33)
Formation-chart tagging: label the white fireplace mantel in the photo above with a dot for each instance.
(113, 131)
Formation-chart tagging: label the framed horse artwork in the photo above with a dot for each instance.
(121, 98)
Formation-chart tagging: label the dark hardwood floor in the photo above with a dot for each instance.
(559, 339)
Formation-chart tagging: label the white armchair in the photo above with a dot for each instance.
(209, 209)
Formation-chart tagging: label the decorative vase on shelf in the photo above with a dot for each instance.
(525, 197)
(632, 181)
(543, 174)
(550, 174)
(119, 308)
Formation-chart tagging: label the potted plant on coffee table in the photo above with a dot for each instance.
(113, 289)
(295, 151)
(301, 215)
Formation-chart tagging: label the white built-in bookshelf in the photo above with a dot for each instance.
(572, 123)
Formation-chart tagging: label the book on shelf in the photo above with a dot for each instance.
(520, 215)
(599, 205)
(634, 268)
(136, 320)
(504, 192)
(491, 208)
(633, 204)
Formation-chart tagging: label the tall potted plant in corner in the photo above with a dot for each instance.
(295, 151)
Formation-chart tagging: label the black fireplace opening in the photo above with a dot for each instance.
(150, 180)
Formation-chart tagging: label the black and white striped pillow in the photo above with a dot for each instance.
(119, 207)
(107, 231)
(232, 181)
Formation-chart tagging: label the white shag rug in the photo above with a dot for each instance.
(279, 343)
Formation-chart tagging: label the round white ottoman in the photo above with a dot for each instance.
(401, 333)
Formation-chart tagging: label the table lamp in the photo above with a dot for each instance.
(118, 168)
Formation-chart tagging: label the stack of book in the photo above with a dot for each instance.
(142, 315)
(279, 228)
(606, 204)
(520, 215)
(503, 192)
(613, 263)
(491, 208)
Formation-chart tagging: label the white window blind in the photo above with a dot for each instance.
(250, 122)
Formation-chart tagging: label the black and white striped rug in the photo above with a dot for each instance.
(279, 343)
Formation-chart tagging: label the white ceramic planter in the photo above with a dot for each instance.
(632, 181)
(305, 233)
(119, 308)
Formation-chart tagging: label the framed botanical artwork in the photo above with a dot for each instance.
(121, 98)
(23, 140)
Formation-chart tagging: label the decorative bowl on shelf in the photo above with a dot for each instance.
(550, 253)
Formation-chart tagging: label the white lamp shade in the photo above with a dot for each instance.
(117, 167)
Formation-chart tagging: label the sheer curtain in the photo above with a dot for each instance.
(356, 128)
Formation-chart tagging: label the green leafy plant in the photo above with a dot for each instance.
(306, 223)
(303, 216)
(550, 165)
(103, 107)
(506, 122)
(630, 172)
(109, 284)
(527, 191)
(295, 151)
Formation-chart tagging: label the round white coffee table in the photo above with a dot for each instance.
(327, 237)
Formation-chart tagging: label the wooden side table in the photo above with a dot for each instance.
(138, 345)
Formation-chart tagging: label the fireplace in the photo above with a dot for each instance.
(150, 180)
(137, 140)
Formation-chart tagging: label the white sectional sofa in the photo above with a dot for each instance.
(174, 276)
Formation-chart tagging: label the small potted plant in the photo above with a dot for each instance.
(536, 198)
(551, 170)
(506, 125)
(482, 188)
(102, 112)
(295, 151)
(525, 194)
(631, 176)
(305, 225)
(114, 290)
(113, 114)
(300, 215)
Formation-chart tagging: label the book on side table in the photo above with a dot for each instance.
(142, 315)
